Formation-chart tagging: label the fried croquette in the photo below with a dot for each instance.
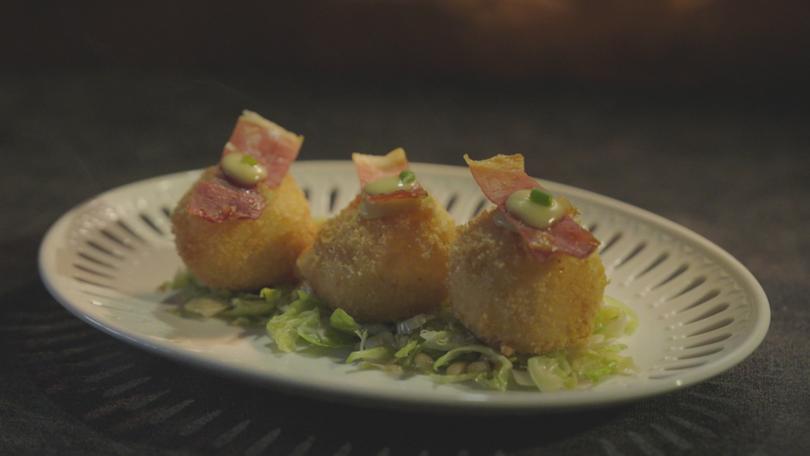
(246, 254)
(514, 301)
(381, 269)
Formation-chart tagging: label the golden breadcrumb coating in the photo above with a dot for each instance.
(246, 254)
(512, 300)
(381, 269)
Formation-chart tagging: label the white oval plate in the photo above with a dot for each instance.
(701, 312)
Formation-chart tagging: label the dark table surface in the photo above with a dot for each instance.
(731, 164)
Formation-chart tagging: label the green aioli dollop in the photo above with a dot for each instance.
(387, 185)
(242, 169)
(532, 213)
(405, 180)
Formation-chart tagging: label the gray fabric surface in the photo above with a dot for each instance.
(733, 166)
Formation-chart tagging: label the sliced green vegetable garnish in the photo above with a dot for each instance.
(249, 160)
(343, 321)
(283, 328)
(540, 197)
(297, 320)
(204, 306)
(245, 307)
(551, 372)
(497, 379)
(615, 319)
(313, 330)
(406, 351)
(412, 324)
(445, 339)
(407, 176)
(371, 354)
(271, 294)
(182, 279)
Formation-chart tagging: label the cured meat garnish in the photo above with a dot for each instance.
(373, 167)
(502, 175)
(272, 146)
(215, 199)
(564, 236)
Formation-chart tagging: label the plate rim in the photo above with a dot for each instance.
(579, 399)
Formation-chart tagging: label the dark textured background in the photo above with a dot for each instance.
(731, 164)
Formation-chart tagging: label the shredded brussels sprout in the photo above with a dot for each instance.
(296, 320)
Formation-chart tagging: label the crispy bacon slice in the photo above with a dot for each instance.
(564, 236)
(373, 167)
(272, 146)
(215, 199)
(502, 175)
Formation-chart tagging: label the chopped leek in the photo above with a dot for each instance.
(407, 176)
(540, 197)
